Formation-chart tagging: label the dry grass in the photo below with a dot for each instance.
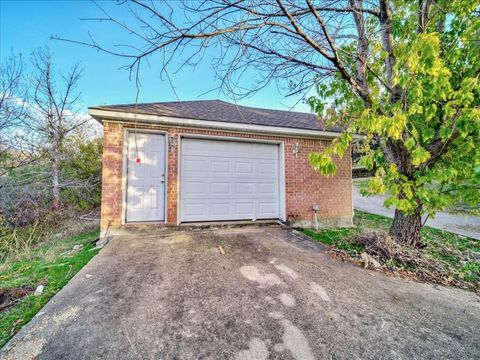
(22, 243)
(407, 260)
(50, 262)
(447, 258)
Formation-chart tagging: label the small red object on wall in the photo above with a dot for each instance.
(138, 160)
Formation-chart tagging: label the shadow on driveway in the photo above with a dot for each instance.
(273, 294)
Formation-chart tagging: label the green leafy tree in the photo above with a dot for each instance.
(420, 104)
(404, 73)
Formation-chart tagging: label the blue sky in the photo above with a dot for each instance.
(26, 25)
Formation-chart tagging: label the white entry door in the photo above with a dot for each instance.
(228, 180)
(146, 178)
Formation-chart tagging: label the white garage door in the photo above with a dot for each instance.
(228, 180)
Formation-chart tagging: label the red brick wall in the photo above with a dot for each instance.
(303, 185)
(112, 175)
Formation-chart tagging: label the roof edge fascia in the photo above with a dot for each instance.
(128, 117)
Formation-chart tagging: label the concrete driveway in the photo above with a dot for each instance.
(273, 294)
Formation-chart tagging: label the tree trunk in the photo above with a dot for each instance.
(55, 184)
(406, 227)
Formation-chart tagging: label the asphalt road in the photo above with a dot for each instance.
(459, 224)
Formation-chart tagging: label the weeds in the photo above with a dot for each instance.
(19, 241)
(47, 263)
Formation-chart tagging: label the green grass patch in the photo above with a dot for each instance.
(336, 237)
(457, 254)
(51, 263)
(361, 183)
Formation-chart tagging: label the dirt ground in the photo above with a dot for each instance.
(273, 294)
(8, 296)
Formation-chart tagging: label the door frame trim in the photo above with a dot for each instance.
(126, 132)
(281, 167)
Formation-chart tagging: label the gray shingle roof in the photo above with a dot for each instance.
(218, 110)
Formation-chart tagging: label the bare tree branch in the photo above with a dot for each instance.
(276, 36)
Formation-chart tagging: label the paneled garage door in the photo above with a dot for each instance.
(228, 180)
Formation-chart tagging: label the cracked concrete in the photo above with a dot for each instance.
(274, 294)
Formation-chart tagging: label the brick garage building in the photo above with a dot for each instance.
(202, 161)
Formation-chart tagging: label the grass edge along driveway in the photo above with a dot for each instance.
(457, 256)
(53, 265)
